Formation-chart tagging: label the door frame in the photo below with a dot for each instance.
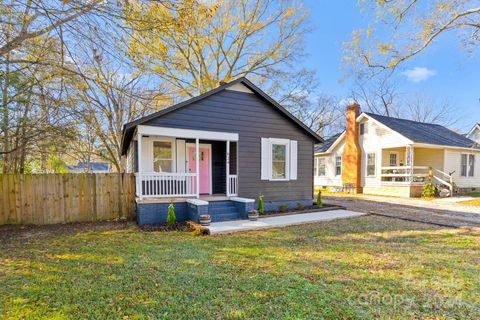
(206, 146)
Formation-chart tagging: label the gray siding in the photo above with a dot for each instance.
(252, 118)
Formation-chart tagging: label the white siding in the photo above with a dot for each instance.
(376, 138)
(130, 160)
(452, 162)
(330, 179)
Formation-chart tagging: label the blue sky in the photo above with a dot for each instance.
(454, 73)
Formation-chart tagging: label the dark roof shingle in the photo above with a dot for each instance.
(421, 132)
(323, 147)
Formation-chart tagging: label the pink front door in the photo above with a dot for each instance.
(204, 165)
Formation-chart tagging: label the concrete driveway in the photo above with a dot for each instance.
(435, 211)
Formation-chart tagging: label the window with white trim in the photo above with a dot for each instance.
(467, 167)
(338, 165)
(279, 159)
(321, 167)
(362, 128)
(162, 156)
(371, 164)
(393, 159)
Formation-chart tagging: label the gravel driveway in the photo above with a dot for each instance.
(418, 210)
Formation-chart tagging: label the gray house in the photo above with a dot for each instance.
(216, 153)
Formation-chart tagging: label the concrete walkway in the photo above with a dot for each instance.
(280, 221)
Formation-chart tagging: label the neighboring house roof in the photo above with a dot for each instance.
(129, 128)
(92, 166)
(475, 127)
(323, 147)
(422, 132)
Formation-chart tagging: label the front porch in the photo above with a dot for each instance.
(180, 164)
(405, 170)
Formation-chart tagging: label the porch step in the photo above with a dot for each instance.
(224, 216)
(223, 211)
(214, 211)
(225, 206)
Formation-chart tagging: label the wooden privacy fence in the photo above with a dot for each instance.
(63, 198)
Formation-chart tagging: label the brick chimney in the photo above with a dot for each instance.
(352, 154)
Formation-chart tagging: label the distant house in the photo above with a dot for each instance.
(90, 167)
(474, 133)
(390, 156)
(216, 153)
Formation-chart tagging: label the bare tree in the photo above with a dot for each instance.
(378, 95)
(381, 95)
(110, 101)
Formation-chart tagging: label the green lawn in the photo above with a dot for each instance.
(367, 267)
(474, 194)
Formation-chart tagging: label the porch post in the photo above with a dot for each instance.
(197, 166)
(139, 165)
(227, 161)
(410, 157)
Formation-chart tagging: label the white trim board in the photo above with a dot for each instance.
(187, 133)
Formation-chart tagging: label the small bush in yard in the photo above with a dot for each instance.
(319, 203)
(283, 208)
(300, 206)
(429, 190)
(260, 205)
(171, 215)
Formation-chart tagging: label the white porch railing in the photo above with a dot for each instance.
(166, 185)
(444, 179)
(405, 174)
(232, 185)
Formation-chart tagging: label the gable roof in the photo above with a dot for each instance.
(323, 147)
(129, 128)
(422, 132)
(475, 127)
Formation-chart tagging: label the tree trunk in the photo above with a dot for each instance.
(5, 115)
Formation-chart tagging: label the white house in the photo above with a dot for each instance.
(390, 156)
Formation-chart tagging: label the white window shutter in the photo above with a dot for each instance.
(293, 160)
(265, 160)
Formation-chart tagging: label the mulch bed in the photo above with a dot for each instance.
(178, 226)
(325, 207)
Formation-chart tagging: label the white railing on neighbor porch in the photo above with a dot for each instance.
(405, 174)
(166, 184)
(232, 185)
(443, 179)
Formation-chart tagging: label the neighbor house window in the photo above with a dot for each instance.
(338, 165)
(162, 156)
(370, 164)
(362, 129)
(320, 166)
(467, 168)
(393, 159)
(279, 161)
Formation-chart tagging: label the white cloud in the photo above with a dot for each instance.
(419, 74)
